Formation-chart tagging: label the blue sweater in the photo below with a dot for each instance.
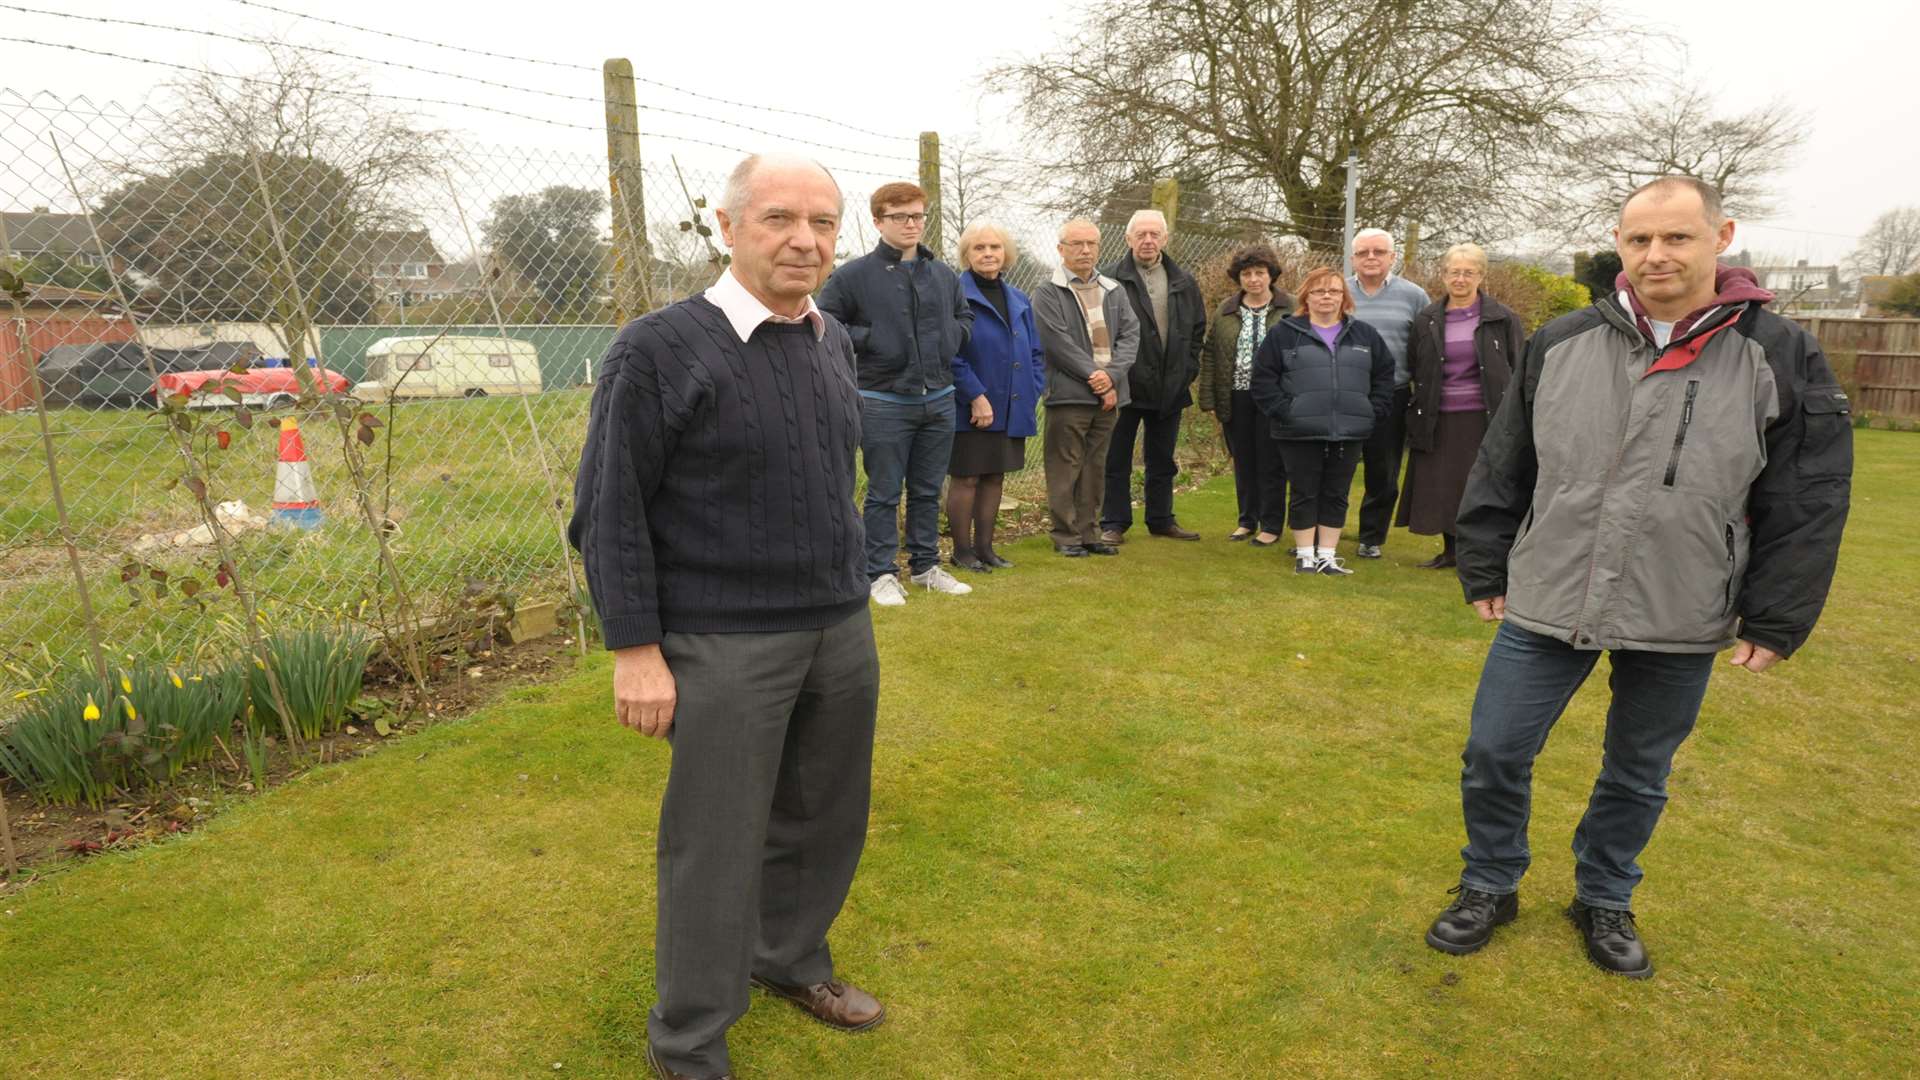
(715, 492)
(1001, 361)
(1391, 312)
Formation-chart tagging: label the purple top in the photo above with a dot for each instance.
(1327, 333)
(1460, 389)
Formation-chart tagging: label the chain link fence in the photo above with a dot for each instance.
(175, 276)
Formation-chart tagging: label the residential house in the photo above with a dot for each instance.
(401, 263)
(1803, 287)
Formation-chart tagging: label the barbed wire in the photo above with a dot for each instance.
(564, 65)
(442, 74)
(371, 95)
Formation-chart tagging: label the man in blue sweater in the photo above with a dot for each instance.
(714, 512)
(908, 318)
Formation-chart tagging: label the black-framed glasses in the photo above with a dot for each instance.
(904, 219)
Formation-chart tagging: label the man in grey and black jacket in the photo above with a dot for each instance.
(1173, 331)
(1088, 335)
(1667, 477)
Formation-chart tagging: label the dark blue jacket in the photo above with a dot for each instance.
(1310, 392)
(906, 317)
(1001, 362)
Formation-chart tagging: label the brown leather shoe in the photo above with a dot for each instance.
(1175, 532)
(660, 1068)
(833, 1003)
(1116, 537)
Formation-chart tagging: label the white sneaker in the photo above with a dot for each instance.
(886, 592)
(938, 580)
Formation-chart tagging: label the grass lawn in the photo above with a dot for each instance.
(1178, 813)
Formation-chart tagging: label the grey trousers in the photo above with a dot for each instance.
(1076, 461)
(762, 824)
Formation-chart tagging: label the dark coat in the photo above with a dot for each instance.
(1311, 392)
(907, 318)
(1161, 375)
(1496, 344)
(1214, 394)
(1000, 361)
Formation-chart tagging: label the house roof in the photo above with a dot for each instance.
(387, 247)
(32, 232)
(58, 296)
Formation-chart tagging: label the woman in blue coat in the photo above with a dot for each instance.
(998, 376)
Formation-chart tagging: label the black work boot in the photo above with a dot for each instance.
(1612, 941)
(1469, 921)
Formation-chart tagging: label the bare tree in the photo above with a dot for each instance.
(1891, 245)
(1444, 101)
(974, 182)
(1677, 131)
(188, 213)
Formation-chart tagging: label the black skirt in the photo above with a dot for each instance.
(1430, 496)
(983, 453)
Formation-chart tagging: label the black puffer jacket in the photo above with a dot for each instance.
(1161, 375)
(1310, 392)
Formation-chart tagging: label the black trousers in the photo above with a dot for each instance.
(1163, 431)
(762, 824)
(1259, 474)
(1320, 472)
(1381, 482)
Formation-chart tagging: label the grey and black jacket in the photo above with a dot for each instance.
(907, 318)
(1068, 347)
(1628, 496)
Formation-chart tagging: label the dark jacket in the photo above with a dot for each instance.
(1310, 392)
(1161, 374)
(1628, 496)
(1000, 361)
(1214, 394)
(1497, 342)
(906, 317)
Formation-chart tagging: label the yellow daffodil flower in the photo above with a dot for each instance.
(92, 711)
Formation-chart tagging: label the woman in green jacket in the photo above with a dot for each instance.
(1259, 479)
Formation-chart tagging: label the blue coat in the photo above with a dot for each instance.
(1000, 361)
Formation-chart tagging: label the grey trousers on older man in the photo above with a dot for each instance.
(1076, 461)
(762, 824)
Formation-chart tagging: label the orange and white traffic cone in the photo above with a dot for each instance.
(295, 502)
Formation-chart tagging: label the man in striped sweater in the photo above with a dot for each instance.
(714, 512)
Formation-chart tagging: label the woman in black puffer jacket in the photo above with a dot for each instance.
(1324, 379)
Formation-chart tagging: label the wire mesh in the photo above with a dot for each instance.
(461, 293)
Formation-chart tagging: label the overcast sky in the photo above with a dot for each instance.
(885, 67)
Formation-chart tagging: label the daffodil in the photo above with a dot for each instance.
(25, 694)
(92, 711)
(175, 677)
(126, 684)
(126, 706)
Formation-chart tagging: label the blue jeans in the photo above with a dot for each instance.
(1528, 680)
(904, 446)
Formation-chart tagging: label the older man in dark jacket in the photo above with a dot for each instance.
(1668, 476)
(1173, 332)
(905, 312)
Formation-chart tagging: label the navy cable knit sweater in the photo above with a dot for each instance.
(715, 492)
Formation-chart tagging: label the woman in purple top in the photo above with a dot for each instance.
(1461, 352)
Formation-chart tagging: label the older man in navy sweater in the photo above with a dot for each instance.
(714, 511)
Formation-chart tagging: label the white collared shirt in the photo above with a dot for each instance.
(744, 311)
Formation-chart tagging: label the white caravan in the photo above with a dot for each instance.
(432, 366)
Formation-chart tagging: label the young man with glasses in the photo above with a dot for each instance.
(908, 317)
(1388, 303)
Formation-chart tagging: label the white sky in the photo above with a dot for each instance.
(889, 68)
